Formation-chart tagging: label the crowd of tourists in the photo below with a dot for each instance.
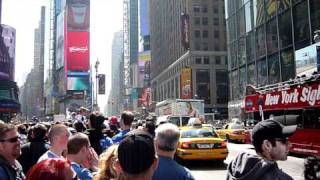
(90, 146)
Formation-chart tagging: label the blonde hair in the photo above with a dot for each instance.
(106, 164)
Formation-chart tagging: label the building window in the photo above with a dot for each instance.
(205, 34)
(215, 10)
(203, 85)
(216, 34)
(206, 60)
(262, 72)
(242, 51)
(216, 21)
(250, 47)
(273, 68)
(198, 60)
(251, 74)
(271, 8)
(301, 25)
(260, 42)
(258, 12)
(222, 86)
(197, 33)
(204, 8)
(287, 64)
(196, 8)
(218, 60)
(197, 46)
(216, 48)
(197, 20)
(205, 46)
(248, 17)
(285, 30)
(315, 14)
(272, 36)
(242, 80)
(205, 21)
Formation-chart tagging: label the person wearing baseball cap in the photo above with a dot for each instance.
(136, 156)
(270, 140)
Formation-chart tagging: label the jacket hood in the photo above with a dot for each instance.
(248, 167)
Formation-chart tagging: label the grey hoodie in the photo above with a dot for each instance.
(252, 167)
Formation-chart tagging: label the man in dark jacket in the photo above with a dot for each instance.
(94, 131)
(31, 151)
(270, 139)
(10, 150)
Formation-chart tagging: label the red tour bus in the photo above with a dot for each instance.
(294, 102)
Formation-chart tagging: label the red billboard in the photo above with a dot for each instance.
(186, 83)
(298, 97)
(78, 51)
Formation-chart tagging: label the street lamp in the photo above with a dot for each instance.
(96, 66)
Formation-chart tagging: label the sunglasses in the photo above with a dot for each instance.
(282, 140)
(11, 140)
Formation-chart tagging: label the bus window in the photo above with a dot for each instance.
(312, 119)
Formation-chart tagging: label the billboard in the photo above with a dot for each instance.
(7, 52)
(102, 83)
(185, 31)
(78, 51)
(144, 97)
(186, 83)
(144, 18)
(307, 59)
(78, 15)
(60, 41)
(78, 81)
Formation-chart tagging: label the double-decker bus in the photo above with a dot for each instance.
(294, 102)
(9, 102)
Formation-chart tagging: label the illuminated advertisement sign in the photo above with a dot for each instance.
(7, 52)
(78, 51)
(306, 60)
(78, 15)
(78, 81)
(185, 31)
(102, 83)
(144, 97)
(186, 84)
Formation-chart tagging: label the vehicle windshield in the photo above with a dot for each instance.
(198, 133)
(5, 94)
(176, 121)
(236, 126)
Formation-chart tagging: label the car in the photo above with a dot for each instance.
(233, 132)
(201, 142)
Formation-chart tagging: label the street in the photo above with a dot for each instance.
(209, 169)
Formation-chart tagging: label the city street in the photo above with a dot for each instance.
(208, 170)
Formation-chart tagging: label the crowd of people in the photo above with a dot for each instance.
(90, 146)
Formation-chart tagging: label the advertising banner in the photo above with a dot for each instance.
(185, 34)
(78, 81)
(307, 96)
(7, 52)
(186, 84)
(78, 15)
(60, 41)
(144, 97)
(78, 51)
(306, 60)
(102, 83)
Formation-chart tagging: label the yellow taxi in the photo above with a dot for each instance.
(201, 142)
(233, 132)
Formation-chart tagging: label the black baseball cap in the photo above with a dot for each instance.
(136, 152)
(271, 129)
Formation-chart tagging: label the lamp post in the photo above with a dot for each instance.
(96, 66)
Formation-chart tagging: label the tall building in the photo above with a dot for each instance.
(34, 85)
(264, 40)
(188, 54)
(116, 93)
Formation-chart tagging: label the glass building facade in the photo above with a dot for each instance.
(262, 37)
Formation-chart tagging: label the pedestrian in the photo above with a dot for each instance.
(52, 169)
(82, 116)
(10, 150)
(136, 156)
(107, 164)
(312, 168)
(270, 140)
(58, 137)
(31, 151)
(125, 124)
(166, 143)
(84, 160)
(94, 131)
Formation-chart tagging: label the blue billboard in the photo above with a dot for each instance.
(144, 18)
(78, 81)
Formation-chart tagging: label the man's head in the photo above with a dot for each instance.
(58, 136)
(96, 121)
(83, 111)
(167, 137)
(9, 142)
(127, 118)
(136, 154)
(270, 139)
(79, 145)
(39, 132)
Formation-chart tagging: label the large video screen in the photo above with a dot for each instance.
(78, 15)
(78, 82)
